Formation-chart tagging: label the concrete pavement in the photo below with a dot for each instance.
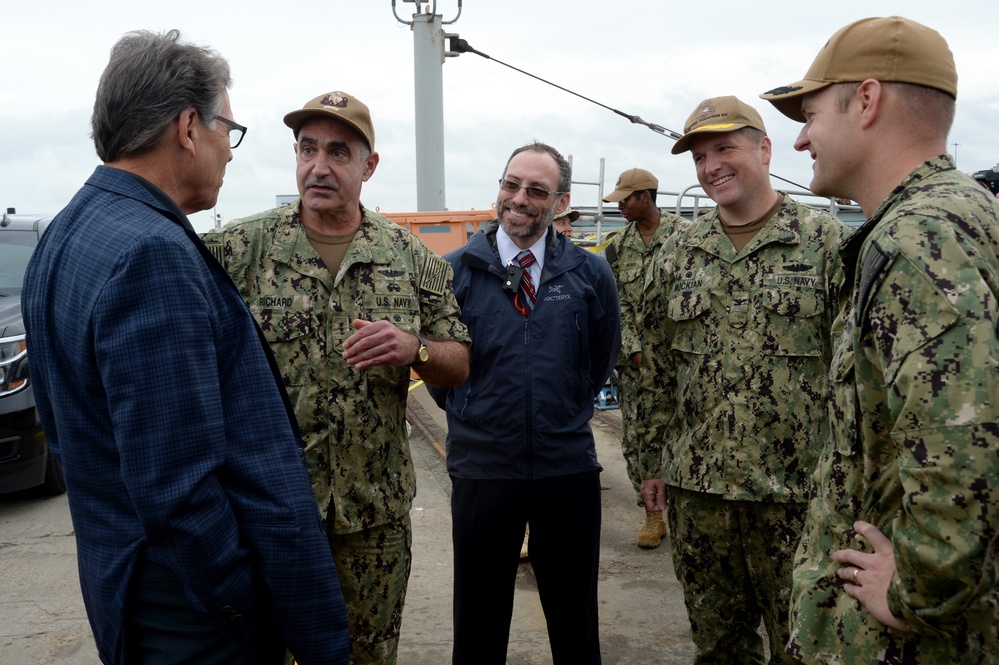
(643, 620)
(642, 616)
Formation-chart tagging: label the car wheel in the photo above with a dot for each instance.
(55, 482)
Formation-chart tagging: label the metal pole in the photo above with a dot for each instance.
(428, 62)
(600, 203)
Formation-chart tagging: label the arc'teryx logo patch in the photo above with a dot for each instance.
(556, 293)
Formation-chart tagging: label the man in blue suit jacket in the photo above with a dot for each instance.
(198, 536)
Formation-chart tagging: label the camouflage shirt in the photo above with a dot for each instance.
(736, 355)
(629, 259)
(915, 449)
(353, 422)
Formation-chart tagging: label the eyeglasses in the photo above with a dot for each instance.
(536, 193)
(236, 131)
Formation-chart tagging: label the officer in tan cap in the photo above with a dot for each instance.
(349, 302)
(898, 558)
(629, 254)
(739, 306)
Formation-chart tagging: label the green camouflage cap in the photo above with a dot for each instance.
(892, 49)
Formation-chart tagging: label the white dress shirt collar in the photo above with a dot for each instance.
(508, 251)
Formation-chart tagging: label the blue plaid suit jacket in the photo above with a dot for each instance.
(159, 399)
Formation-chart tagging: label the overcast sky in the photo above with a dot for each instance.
(654, 59)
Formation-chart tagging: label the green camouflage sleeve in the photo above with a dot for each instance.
(934, 324)
(238, 251)
(656, 403)
(630, 278)
(439, 311)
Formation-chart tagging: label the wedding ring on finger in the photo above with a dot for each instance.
(856, 571)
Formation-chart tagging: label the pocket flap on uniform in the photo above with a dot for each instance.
(282, 325)
(794, 301)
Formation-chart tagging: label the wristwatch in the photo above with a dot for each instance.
(423, 355)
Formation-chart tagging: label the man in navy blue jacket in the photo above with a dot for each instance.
(519, 447)
(198, 537)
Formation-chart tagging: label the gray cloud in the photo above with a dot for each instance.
(656, 60)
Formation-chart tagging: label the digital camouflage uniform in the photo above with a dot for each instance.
(629, 259)
(353, 422)
(915, 449)
(733, 412)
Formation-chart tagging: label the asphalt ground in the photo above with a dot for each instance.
(643, 620)
(642, 617)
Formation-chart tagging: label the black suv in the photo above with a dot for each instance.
(25, 460)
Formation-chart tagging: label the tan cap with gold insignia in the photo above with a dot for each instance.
(717, 115)
(339, 106)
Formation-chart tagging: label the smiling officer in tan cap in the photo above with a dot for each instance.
(897, 562)
(629, 254)
(738, 311)
(349, 302)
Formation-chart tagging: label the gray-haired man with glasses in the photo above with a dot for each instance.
(198, 536)
(545, 322)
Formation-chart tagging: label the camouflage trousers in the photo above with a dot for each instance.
(734, 560)
(628, 386)
(374, 567)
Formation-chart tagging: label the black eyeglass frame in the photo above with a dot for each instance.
(233, 126)
(536, 193)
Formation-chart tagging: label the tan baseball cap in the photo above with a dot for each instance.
(892, 49)
(718, 115)
(339, 106)
(573, 215)
(632, 180)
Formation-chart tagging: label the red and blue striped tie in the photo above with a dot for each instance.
(526, 260)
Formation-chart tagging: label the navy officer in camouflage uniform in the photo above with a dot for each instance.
(349, 301)
(630, 253)
(899, 561)
(739, 306)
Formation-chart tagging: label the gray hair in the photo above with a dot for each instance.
(150, 79)
(564, 169)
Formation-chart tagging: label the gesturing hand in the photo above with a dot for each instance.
(379, 343)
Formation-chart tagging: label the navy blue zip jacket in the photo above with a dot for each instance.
(525, 410)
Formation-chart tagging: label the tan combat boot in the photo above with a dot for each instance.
(653, 531)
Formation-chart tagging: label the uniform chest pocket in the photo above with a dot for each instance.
(688, 310)
(289, 331)
(283, 325)
(397, 303)
(399, 306)
(631, 275)
(793, 325)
